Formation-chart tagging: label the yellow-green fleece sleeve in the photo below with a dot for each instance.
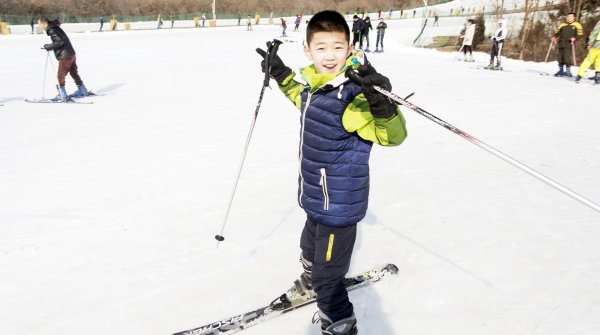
(387, 132)
(292, 89)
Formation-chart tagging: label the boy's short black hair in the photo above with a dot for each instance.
(327, 21)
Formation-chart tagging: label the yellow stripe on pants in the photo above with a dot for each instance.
(329, 248)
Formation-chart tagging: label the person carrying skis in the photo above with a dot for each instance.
(340, 121)
(65, 54)
(497, 42)
(593, 56)
(381, 27)
(468, 40)
(365, 32)
(565, 37)
(357, 28)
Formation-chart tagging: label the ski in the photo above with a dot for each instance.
(280, 306)
(89, 94)
(51, 101)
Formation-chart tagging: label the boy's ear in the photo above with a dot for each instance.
(307, 51)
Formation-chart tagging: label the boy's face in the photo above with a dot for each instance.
(328, 51)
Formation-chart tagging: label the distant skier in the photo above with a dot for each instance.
(65, 54)
(203, 19)
(101, 23)
(497, 42)
(467, 45)
(436, 17)
(593, 56)
(31, 24)
(357, 28)
(297, 23)
(239, 17)
(248, 23)
(172, 21)
(565, 37)
(365, 32)
(283, 26)
(381, 27)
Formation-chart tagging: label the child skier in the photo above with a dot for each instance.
(65, 54)
(340, 120)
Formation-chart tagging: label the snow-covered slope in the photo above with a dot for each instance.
(108, 211)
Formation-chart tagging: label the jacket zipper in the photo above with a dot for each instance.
(323, 183)
(300, 151)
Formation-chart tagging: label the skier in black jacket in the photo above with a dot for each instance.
(65, 54)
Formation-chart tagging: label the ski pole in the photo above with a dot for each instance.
(573, 51)
(354, 76)
(548, 53)
(272, 49)
(45, 71)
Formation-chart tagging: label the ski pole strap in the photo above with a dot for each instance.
(271, 52)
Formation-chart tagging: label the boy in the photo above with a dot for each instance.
(340, 121)
(65, 54)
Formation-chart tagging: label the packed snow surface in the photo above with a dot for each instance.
(108, 211)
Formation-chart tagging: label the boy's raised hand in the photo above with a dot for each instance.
(277, 69)
(367, 77)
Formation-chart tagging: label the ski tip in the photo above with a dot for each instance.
(393, 269)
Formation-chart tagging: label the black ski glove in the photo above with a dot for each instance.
(367, 77)
(278, 70)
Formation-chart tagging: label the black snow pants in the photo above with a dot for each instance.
(329, 249)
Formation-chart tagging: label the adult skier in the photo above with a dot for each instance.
(65, 54)
(357, 28)
(381, 27)
(497, 41)
(468, 40)
(565, 37)
(365, 32)
(593, 56)
(284, 27)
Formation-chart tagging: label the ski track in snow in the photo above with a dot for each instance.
(108, 211)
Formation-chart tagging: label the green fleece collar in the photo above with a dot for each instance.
(317, 80)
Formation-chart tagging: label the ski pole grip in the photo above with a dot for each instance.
(354, 76)
(271, 51)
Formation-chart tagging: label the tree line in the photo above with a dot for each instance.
(87, 8)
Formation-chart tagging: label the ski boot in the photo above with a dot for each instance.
(568, 72)
(597, 78)
(80, 92)
(62, 94)
(367, 50)
(577, 79)
(301, 291)
(381, 51)
(376, 50)
(490, 66)
(561, 72)
(345, 326)
(470, 59)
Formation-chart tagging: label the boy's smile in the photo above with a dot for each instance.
(328, 51)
